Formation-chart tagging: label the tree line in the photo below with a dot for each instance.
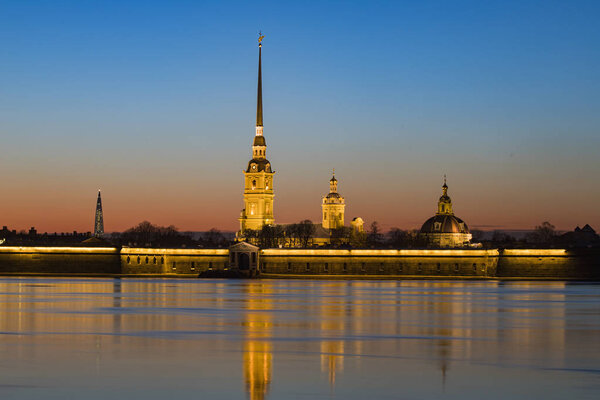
(302, 235)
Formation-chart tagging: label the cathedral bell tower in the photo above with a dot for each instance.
(333, 207)
(258, 177)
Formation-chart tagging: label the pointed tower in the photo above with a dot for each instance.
(333, 207)
(258, 177)
(445, 204)
(99, 220)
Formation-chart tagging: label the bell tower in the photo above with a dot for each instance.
(333, 207)
(258, 177)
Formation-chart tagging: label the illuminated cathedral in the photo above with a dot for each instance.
(444, 229)
(258, 177)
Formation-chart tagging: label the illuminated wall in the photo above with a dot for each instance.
(477, 263)
(525, 263)
(67, 260)
(140, 261)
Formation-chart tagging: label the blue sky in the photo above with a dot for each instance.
(154, 102)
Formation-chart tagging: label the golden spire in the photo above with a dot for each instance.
(259, 110)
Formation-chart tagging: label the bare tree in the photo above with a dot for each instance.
(147, 234)
(543, 234)
(374, 237)
(306, 230)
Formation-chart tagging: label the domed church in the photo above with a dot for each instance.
(444, 229)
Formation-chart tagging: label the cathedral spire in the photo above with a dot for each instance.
(259, 108)
(99, 220)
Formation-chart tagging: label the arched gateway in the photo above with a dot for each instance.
(244, 257)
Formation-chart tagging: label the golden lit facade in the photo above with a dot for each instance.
(258, 177)
(333, 207)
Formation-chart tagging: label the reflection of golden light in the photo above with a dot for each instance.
(332, 358)
(257, 368)
(258, 349)
(332, 323)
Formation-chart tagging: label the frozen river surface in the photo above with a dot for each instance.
(297, 339)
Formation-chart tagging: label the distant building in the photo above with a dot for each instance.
(99, 219)
(258, 177)
(444, 229)
(580, 237)
(357, 224)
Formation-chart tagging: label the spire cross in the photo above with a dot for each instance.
(444, 179)
(260, 37)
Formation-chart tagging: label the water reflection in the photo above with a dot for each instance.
(346, 339)
(258, 348)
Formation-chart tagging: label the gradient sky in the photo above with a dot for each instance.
(154, 102)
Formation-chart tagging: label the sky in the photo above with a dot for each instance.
(154, 103)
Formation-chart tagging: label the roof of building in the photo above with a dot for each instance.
(444, 223)
(259, 140)
(588, 228)
(262, 165)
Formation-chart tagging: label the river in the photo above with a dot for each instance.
(93, 338)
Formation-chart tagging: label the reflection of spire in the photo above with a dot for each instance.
(117, 297)
(332, 358)
(257, 346)
(332, 324)
(444, 366)
(257, 368)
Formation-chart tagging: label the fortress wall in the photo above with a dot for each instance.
(510, 263)
(549, 263)
(473, 263)
(172, 261)
(59, 260)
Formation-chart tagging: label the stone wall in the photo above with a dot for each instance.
(425, 263)
(144, 261)
(60, 260)
(510, 263)
(549, 263)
